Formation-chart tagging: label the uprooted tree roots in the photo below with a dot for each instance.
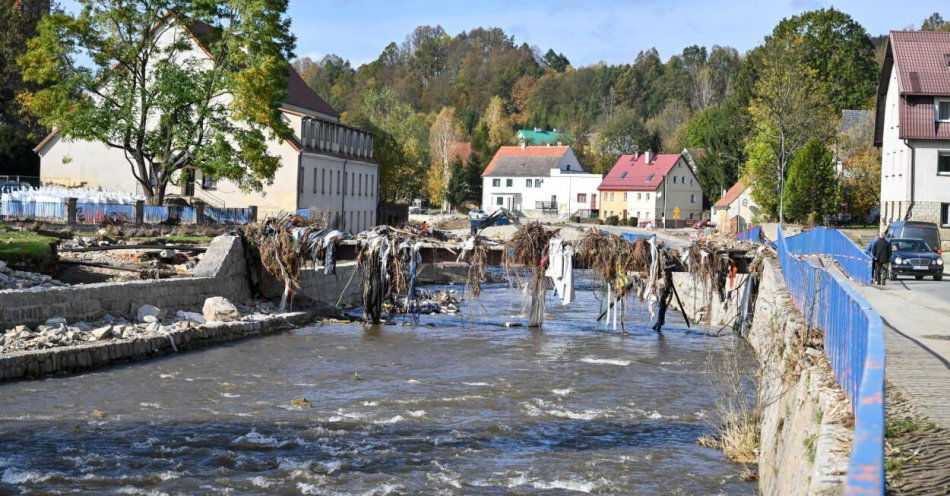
(526, 250)
(283, 252)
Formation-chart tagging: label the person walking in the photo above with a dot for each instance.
(881, 255)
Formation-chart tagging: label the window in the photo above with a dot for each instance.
(499, 200)
(943, 163)
(496, 183)
(692, 199)
(945, 214)
(352, 183)
(648, 196)
(300, 180)
(207, 182)
(537, 183)
(943, 110)
(323, 180)
(639, 196)
(528, 183)
(674, 179)
(509, 183)
(582, 198)
(337, 182)
(314, 181)
(624, 196)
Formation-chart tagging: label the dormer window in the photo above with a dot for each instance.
(947, 57)
(942, 108)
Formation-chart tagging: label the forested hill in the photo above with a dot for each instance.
(482, 85)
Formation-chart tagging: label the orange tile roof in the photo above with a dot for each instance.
(731, 195)
(517, 151)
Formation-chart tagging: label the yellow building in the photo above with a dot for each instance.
(652, 188)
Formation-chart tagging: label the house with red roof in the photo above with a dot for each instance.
(912, 127)
(652, 188)
(735, 210)
(539, 180)
(327, 166)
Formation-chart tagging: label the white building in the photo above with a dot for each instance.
(912, 127)
(736, 210)
(539, 180)
(327, 166)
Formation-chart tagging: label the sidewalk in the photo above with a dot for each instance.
(916, 318)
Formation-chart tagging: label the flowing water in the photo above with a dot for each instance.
(453, 405)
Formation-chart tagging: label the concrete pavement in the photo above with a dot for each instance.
(916, 318)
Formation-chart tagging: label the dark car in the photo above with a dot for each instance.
(909, 229)
(914, 257)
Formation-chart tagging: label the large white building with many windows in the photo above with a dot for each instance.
(912, 127)
(539, 180)
(327, 166)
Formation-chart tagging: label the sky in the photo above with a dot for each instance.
(586, 31)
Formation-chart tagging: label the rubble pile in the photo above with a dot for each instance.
(429, 302)
(146, 321)
(18, 279)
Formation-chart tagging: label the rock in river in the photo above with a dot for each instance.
(218, 308)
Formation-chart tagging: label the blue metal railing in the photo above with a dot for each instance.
(157, 214)
(753, 233)
(854, 344)
(832, 243)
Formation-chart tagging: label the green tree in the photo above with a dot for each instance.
(861, 182)
(759, 167)
(788, 108)
(400, 143)
(934, 22)
(457, 190)
(143, 92)
(445, 131)
(721, 131)
(496, 121)
(839, 52)
(556, 61)
(812, 188)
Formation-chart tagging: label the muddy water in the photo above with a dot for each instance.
(454, 405)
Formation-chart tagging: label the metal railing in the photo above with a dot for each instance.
(227, 215)
(854, 344)
(97, 213)
(753, 233)
(30, 210)
(832, 243)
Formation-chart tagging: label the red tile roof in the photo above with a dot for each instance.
(461, 150)
(632, 173)
(920, 59)
(731, 195)
(509, 160)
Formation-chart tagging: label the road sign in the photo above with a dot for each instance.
(676, 212)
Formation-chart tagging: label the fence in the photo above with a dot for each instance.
(854, 344)
(227, 215)
(168, 215)
(20, 210)
(96, 213)
(753, 233)
(830, 242)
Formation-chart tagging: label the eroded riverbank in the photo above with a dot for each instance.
(454, 405)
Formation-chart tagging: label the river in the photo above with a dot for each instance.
(454, 405)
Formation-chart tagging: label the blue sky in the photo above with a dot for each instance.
(585, 31)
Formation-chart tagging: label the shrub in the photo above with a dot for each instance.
(575, 219)
(633, 221)
(613, 220)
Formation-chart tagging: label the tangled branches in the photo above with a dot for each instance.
(527, 249)
(282, 241)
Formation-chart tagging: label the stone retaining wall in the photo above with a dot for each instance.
(805, 437)
(72, 359)
(703, 304)
(222, 271)
(315, 287)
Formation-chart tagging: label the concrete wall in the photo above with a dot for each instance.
(73, 359)
(703, 305)
(315, 287)
(805, 436)
(221, 272)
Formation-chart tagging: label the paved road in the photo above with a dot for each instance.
(916, 315)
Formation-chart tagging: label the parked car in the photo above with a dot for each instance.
(701, 224)
(477, 214)
(914, 257)
(908, 229)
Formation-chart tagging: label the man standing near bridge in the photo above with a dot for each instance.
(881, 254)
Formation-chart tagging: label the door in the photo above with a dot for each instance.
(188, 184)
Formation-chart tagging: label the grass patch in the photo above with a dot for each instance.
(23, 244)
(896, 427)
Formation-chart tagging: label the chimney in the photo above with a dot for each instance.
(558, 143)
(648, 156)
(523, 145)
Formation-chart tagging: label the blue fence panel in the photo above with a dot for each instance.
(753, 233)
(227, 215)
(854, 344)
(831, 242)
(635, 236)
(95, 213)
(50, 211)
(168, 214)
